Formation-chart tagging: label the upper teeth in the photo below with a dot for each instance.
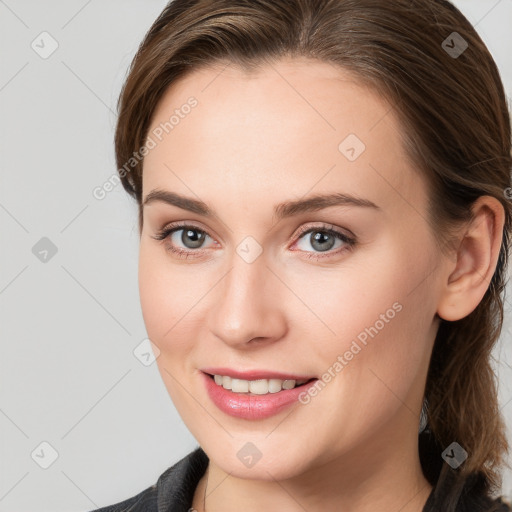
(258, 387)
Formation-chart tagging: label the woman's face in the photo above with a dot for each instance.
(267, 279)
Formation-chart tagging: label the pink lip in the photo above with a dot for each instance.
(252, 407)
(254, 374)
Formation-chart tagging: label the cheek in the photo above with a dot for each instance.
(165, 318)
(380, 322)
(170, 296)
(161, 297)
(156, 310)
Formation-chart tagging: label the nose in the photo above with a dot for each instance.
(248, 305)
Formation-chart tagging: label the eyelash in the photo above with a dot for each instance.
(168, 230)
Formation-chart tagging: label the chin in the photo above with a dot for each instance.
(257, 460)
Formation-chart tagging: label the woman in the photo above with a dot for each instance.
(354, 376)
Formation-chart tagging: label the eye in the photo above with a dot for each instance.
(191, 237)
(322, 239)
(187, 241)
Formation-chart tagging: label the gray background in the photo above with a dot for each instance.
(69, 325)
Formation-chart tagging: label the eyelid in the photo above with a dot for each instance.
(323, 226)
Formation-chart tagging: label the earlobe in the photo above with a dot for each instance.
(467, 279)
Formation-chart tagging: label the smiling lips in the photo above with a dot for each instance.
(260, 395)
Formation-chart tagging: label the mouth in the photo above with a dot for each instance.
(257, 386)
(255, 399)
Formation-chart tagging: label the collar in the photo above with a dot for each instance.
(176, 486)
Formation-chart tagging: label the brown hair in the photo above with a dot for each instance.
(455, 128)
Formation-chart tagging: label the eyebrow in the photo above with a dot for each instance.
(281, 211)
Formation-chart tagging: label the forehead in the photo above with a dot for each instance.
(282, 127)
(318, 93)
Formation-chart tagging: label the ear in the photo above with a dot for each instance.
(468, 277)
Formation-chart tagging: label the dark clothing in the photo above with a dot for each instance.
(175, 489)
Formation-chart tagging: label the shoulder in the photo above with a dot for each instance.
(145, 501)
(174, 489)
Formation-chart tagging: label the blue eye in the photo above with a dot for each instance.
(191, 237)
(321, 238)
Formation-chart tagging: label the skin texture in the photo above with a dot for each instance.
(253, 141)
